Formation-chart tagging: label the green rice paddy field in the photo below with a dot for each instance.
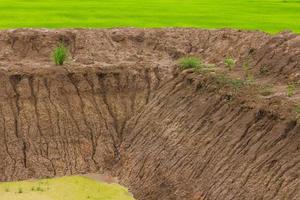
(267, 15)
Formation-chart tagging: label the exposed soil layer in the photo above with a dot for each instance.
(119, 105)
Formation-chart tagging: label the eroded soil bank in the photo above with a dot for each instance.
(120, 105)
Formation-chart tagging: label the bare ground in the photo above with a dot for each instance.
(120, 106)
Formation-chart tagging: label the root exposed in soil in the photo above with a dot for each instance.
(121, 106)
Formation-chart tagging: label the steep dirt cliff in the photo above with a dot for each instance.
(196, 142)
(120, 105)
(57, 122)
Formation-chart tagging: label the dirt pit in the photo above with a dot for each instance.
(121, 106)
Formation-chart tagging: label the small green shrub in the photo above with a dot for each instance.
(189, 63)
(6, 189)
(229, 63)
(291, 89)
(60, 54)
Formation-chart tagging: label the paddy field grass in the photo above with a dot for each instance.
(267, 15)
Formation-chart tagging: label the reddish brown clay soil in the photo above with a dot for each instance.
(120, 106)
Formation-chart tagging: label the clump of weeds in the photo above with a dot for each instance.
(189, 63)
(60, 54)
(196, 64)
(229, 63)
